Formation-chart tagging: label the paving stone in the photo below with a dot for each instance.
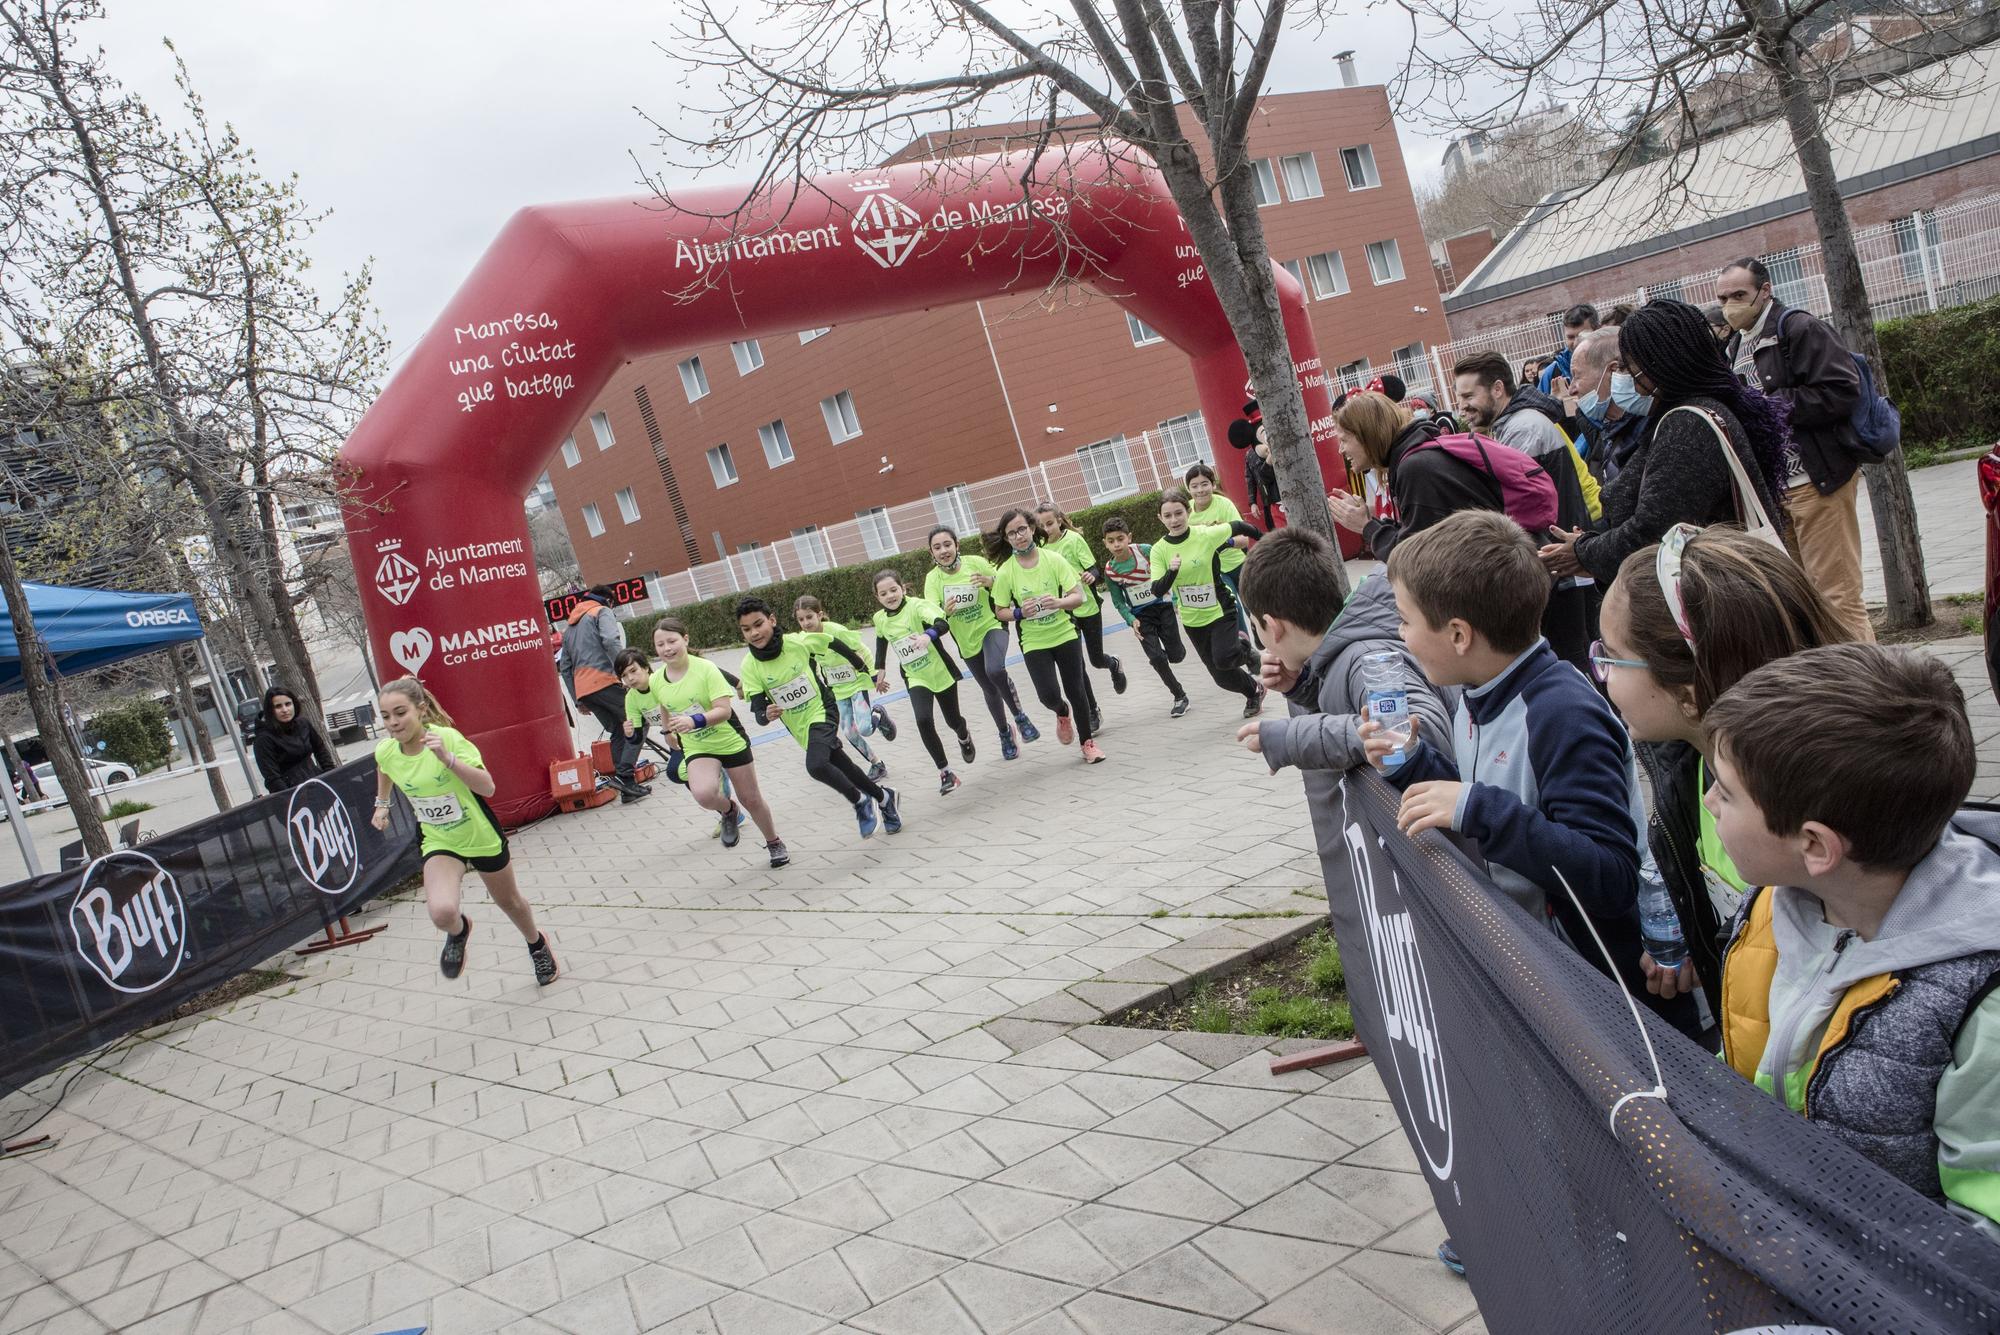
(1267, 1264)
(928, 1309)
(1173, 1190)
(1361, 1312)
(1110, 997)
(1305, 1211)
(821, 1284)
(884, 1268)
(1185, 1277)
(1213, 1050)
(1021, 1034)
(1001, 1299)
(1109, 1314)
(1420, 1286)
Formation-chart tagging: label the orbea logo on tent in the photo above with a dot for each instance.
(1415, 1053)
(129, 922)
(159, 616)
(322, 837)
(395, 578)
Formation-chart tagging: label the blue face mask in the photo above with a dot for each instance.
(1592, 407)
(1625, 393)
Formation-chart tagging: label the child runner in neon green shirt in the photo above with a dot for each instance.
(1037, 587)
(913, 632)
(962, 585)
(860, 718)
(1184, 566)
(1207, 505)
(439, 770)
(1128, 578)
(1059, 535)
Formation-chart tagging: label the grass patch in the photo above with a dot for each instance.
(124, 807)
(1300, 992)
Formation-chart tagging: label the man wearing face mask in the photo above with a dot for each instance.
(1609, 401)
(1795, 356)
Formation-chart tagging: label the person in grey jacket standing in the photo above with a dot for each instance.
(590, 641)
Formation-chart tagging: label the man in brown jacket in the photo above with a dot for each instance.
(590, 641)
(1795, 356)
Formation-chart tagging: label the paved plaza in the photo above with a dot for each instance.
(768, 1103)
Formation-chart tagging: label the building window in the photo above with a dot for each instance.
(808, 335)
(1329, 274)
(1186, 439)
(543, 497)
(593, 521)
(748, 354)
(777, 442)
(1412, 366)
(693, 379)
(600, 426)
(1296, 270)
(750, 559)
(841, 423)
(1301, 176)
(1266, 177)
(571, 455)
(628, 506)
(953, 507)
(1142, 333)
(721, 467)
(1385, 261)
(1668, 291)
(1354, 375)
(1107, 470)
(656, 589)
(1904, 231)
(878, 535)
(1360, 164)
(1788, 280)
(809, 544)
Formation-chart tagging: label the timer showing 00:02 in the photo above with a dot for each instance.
(622, 592)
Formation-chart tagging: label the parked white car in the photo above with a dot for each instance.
(103, 774)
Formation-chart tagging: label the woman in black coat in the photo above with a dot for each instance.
(289, 749)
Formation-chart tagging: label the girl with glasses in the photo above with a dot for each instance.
(1038, 588)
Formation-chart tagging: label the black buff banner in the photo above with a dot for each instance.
(88, 955)
(1578, 1199)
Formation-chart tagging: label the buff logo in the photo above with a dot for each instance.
(1415, 1052)
(129, 923)
(322, 837)
(159, 616)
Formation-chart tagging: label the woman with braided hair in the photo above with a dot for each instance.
(1671, 369)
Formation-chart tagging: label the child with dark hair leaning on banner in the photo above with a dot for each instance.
(1036, 588)
(1683, 622)
(440, 772)
(1059, 535)
(780, 677)
(693, 701)
(1184, 565)
(1128, 578)
(1861, 985)
(914, 631)
(962, 583)
(860, 717)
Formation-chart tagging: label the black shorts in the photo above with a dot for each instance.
(734, 760)
(491, 862)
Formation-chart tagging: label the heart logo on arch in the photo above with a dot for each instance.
(411, 648)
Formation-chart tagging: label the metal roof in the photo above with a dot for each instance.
(1748, 176)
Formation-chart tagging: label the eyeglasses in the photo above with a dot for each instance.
(1667, 569)
(1601, 662)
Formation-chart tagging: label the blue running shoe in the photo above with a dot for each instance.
(864, 816)
(1029, 732)
(1449, 1255)
(1009, 751)
(892, 819)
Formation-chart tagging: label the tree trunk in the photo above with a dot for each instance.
(197, 731)
(1903, 577)
(45, 700)
(31, 791)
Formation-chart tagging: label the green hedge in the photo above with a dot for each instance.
(1938, 370)
(134, 731)
(848, 592)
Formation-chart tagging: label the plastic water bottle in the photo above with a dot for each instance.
(1659, 924)
(1388, 701)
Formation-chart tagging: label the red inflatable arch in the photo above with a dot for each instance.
(569, 292)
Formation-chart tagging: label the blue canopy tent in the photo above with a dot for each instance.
(86, 629)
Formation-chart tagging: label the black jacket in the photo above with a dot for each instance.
(1673, 829)
(1801, 359)
(287, 757)
(1426, 486)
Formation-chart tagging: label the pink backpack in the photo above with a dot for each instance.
(1527, 492)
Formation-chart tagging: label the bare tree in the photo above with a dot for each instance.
(1651, 73)
(807, 86)
(555, 557)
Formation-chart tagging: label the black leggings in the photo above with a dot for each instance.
(1057, 673)
(1219, 646)
(1159, 635)
(989, 669)
(920, 705)
(827, 761)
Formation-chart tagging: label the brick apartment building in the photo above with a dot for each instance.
(767, 440)
(1899, 162)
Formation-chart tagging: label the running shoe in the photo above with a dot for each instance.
(1096, 723)
(892, 819)
(1009, 751)
(884, 724)
(1117, 677)
(545, 961)
(715, 832)
(966, 750)
(1255, 704)
(1091, 755)
(452, 962)
(1029, 732)
(776, 848)
(948, 783)
(1449, 1255)
(1180, 706)
(877, 772)
(864, 816)
(1065, 730)
(732, 825)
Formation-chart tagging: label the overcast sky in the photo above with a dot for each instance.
(423, 124)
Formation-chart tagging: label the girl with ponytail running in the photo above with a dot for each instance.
(860, 718)
(1184, 565)
(1059, 535)
(440, 773)
(962, 585)
(913, 631)
(1207, 505)
(1036, 587)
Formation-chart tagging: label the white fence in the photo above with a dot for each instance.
(1935, 258)
(1105, 471)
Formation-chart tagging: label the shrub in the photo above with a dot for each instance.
(848, 592)
(124, 807)
(1938, 370)
(134, 731)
